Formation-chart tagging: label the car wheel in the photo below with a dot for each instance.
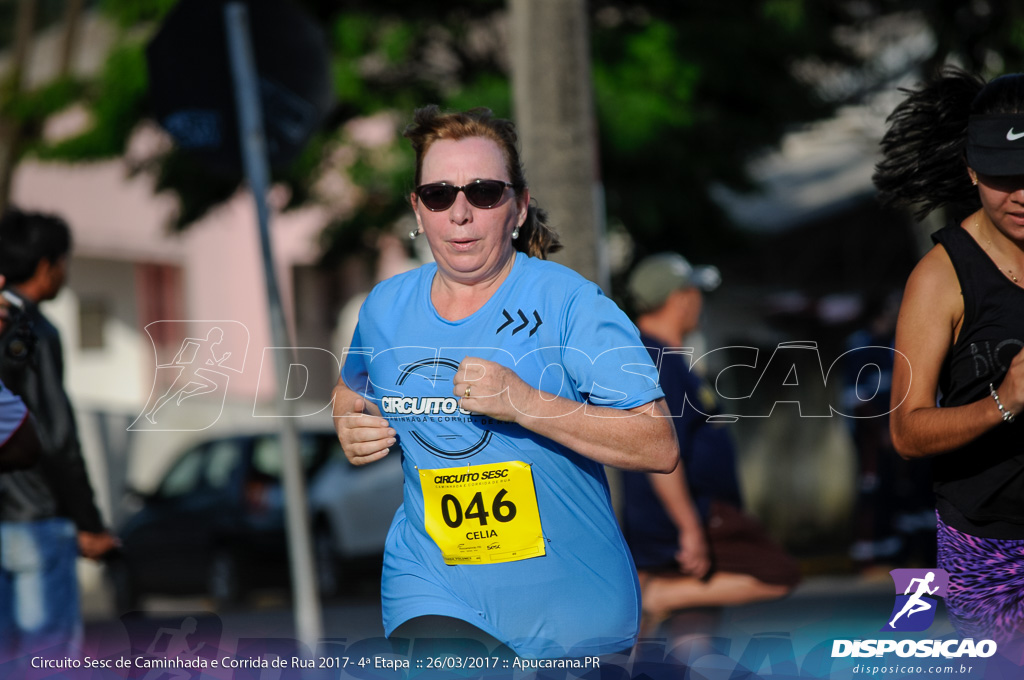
(327, 572)
(224, 579)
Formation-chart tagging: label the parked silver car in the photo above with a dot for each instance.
(352, 508)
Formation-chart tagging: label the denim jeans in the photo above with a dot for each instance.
(39, 607)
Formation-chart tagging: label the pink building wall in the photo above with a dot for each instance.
(117, 217)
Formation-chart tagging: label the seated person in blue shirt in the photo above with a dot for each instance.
(692, 543)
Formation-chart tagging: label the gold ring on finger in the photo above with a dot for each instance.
(468, 387)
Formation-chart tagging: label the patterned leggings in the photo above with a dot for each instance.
(985, 599)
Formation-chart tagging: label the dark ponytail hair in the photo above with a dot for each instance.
(924, 164)
(430, 124)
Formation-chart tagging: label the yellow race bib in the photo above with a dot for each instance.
(483, 514)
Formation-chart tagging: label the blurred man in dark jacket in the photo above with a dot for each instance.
(47, 513)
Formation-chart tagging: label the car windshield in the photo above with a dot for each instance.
(267, 458)
(184, 476)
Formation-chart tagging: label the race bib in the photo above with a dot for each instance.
(483, 514)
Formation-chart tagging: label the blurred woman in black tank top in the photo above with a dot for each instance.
(958, 383)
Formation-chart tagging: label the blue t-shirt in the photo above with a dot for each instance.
(577, 594)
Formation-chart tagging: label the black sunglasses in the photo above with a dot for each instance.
(483, 193)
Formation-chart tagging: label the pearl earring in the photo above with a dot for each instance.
(413, 234)
(515, 233)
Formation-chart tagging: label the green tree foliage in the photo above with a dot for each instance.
(118, 103)
(384, 177)
(723, 77)
(674, 82)
(686, 94)
(131, 13)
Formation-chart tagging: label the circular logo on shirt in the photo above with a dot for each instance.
(435, 375)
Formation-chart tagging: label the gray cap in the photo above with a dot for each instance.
(654, 279)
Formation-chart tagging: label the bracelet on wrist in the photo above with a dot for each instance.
(1007, 415)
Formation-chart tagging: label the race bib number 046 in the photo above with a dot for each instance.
(483, 514)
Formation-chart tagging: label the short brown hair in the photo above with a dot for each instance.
(430, 124)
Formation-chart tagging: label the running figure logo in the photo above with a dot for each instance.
(173, 643)
(202, 365)
(169, 646)
(914, 610)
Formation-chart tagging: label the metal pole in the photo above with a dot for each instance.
(254, 155)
